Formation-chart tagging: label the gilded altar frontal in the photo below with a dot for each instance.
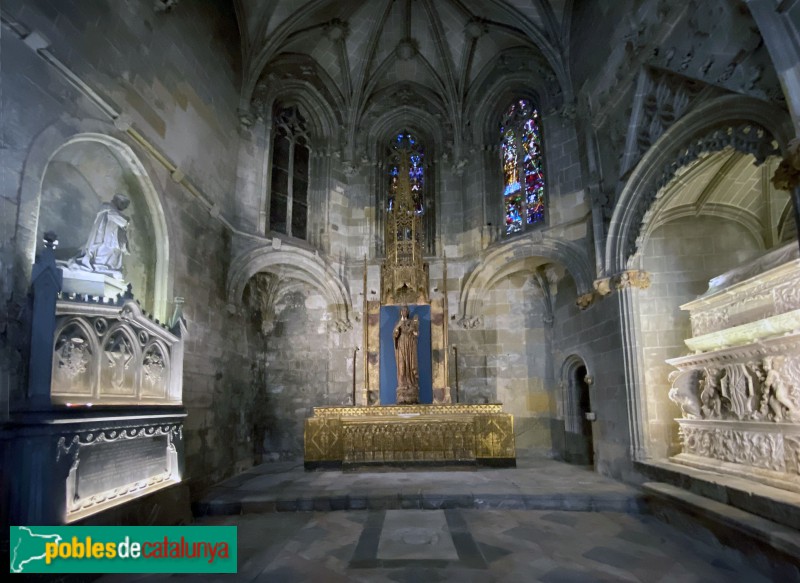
(500, 245)
(409, 435)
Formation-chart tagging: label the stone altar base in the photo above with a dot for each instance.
(409, 435)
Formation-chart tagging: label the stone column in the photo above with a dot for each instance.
(626, 284)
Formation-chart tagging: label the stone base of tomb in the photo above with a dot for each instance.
(408, 436)
(763, 451)
(82, 282)
(96, 461)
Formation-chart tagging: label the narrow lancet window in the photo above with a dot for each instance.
(523, 167)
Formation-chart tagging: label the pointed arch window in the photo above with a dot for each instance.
(523, 167)
(419, 151)
(288, 211)
(406, 145)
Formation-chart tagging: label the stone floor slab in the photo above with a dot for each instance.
(416, 534)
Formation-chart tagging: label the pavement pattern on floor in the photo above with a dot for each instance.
(410, 546)
(536, 483)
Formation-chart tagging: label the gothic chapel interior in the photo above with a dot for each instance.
(214, 216)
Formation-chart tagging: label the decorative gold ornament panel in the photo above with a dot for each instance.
(399, 410)
(410, 433)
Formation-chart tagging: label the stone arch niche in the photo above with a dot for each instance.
(82, 174)
(495, 262)
(698, 204)
(742, 123)
(301, 363)
(297, 264)
(508, 309)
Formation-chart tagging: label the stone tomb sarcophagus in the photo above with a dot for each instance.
(101, 422)
(740, 390)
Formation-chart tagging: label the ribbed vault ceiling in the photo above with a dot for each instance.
(441, 55)
(728, 185)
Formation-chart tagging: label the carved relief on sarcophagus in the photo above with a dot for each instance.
(739, 392)
(111, 352)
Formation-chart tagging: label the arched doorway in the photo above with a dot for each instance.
(578, 413)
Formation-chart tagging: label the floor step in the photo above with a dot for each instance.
(732, 526)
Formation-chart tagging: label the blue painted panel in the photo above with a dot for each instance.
(388, 372)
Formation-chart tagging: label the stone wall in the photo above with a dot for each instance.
(594, 335)
(507, 359)
(305, 366)
(172, 79)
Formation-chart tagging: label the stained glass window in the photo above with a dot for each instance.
(523, 167)
(406, 145)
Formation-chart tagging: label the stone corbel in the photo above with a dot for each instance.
(341, 326)
(787, 175)
(631, 278)
(585, 300)
(603, 286)
(469, 323)
(246, 118)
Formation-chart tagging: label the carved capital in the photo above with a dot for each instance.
(341, 326)
(603, 286)
(787, 175)
(246, 117)
(468, 323)
(632, 278)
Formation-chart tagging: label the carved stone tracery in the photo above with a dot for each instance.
(112, 352)
(747, 138)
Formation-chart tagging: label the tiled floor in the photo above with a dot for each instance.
(471, 545)
(543, 521)
(536, 483)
